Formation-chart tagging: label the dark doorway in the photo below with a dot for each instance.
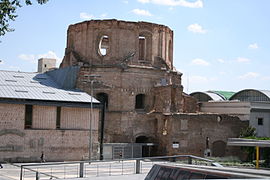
(146, 150)
(103, 99)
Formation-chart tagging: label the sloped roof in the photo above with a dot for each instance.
(35, 86)
(225, 94)
(210, 96)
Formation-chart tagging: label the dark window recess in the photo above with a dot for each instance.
(28, 116)
(142, 47)
(260, 121)
(58, 118)
(140, 98)
(103, 99)
(45, 65)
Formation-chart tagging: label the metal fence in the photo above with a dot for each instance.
(81, 169)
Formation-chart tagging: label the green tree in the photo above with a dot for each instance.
(250, 133)
(8, 13)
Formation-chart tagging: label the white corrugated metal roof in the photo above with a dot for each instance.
(34, 86)
(266, 92)
(214, 96)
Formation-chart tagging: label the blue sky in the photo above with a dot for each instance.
(218, 44)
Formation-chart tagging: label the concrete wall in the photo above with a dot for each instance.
(264, 129)
(46, 64)
(70, 142)
(237, 108)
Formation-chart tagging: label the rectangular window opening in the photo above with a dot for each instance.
(260, 121)
(28, 116)
(142, 47)
(58, 118)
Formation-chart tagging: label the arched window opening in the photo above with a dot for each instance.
(140, 101)
(219, 148)
(103, 98)
(103, 45)
(142, 47)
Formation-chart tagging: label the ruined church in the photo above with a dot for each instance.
(128, 66)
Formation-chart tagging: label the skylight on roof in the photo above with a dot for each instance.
(24, 91)
(34, 81)
(70, 93)
(48, 92)
(18, 76)
(41, 78)
(11, 80)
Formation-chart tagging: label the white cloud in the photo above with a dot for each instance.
(50, 54)
(222, 73)
(200, 62)
(84, 15)
(144, 1)
(103, 15)
(242, 60)
(221, 60)
(125, 1)
(267, 78)
(141, 12)
(184, 3)
(253, 46)
(196, 28)
(34, 58)
(249, 75)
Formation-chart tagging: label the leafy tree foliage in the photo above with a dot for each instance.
(8, 13)
(249, 133)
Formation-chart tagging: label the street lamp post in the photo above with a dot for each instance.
(92, 77)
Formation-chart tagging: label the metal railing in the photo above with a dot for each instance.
(80, 169)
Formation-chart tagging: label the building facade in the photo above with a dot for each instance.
(37, 115)
(250, 105)
(137, 83)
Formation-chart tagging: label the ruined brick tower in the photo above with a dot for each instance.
(137, 82)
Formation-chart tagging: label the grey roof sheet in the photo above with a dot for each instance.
(214, 96)
(266, 92)
(34, 86)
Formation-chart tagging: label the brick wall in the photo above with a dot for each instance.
(191, 131)
(70, 142)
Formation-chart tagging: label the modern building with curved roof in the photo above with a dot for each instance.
(251, 95)
(249, 105)
(212, 95)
